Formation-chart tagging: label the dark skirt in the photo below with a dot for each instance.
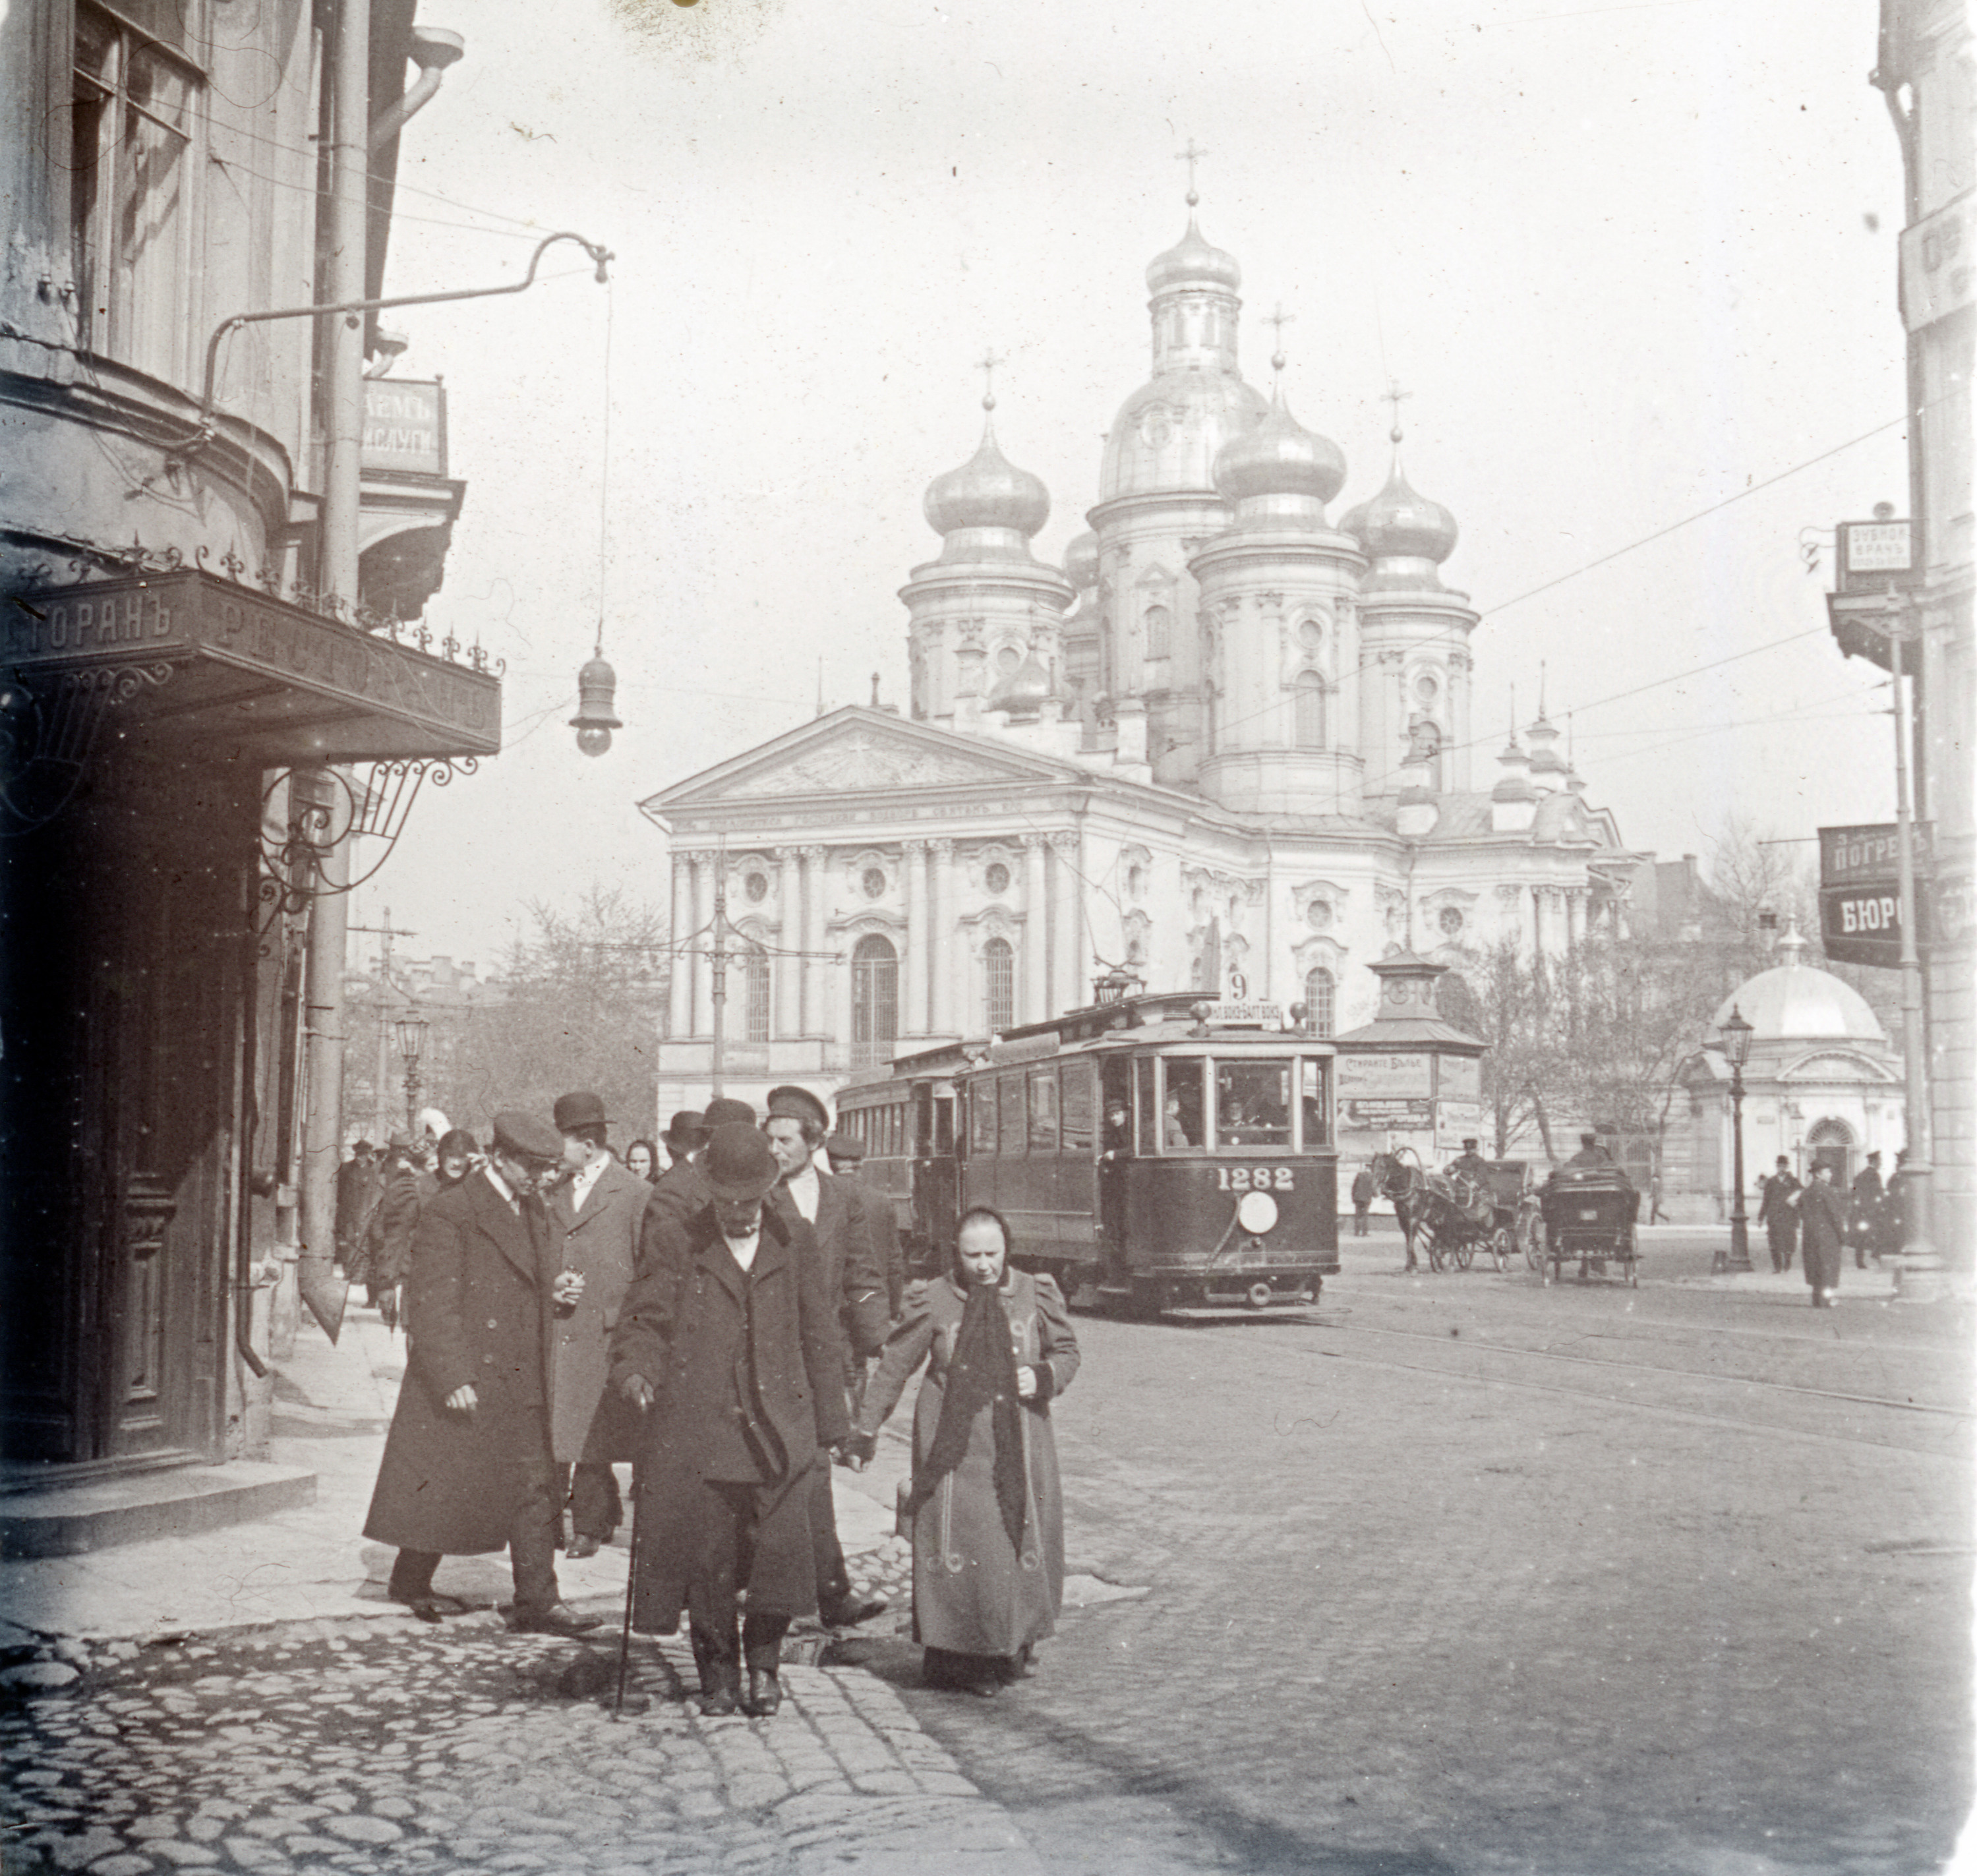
(676, 1513)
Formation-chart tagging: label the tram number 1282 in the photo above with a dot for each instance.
(1255, 1179)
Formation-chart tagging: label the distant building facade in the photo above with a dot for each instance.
(1226, 747)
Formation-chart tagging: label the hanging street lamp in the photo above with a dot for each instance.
(596, 690)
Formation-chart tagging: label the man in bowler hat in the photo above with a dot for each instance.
(796, 1126)
(467, 1465)
(682, 1187)
(728, 1345)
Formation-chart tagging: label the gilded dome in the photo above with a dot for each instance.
(1168, 434)
(988, 491)
(1080, 560)
(1279, 456)
(1191, 262)
(1024, 692)
(1397, 524)
(1795, 1002)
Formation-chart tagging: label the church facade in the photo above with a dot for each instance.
(1227, 745)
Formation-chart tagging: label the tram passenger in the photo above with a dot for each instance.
(1173, 1132)
(985, 1489)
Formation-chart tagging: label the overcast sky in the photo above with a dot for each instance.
(1631, 262)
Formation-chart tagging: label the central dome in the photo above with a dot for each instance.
(1794, 1002)
(1168, 434)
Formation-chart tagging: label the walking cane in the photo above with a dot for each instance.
(631, 1589)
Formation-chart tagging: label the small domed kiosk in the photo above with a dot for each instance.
(1822, 1082)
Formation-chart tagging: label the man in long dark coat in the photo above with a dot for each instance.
(683, 1187)
(796, 1126)
(1864, 1226)
(356, 1193)
(467, 1465)
(1823, 1242)
(846, 1155)
(728, 1343)
(595, 1216)
(1778, 1214)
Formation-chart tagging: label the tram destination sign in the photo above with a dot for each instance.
(1252, 1015)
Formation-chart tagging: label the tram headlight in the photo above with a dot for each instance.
(1256, 1213)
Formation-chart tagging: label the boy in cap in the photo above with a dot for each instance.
(796, 1124)
(728, 1345)
(467, 1464)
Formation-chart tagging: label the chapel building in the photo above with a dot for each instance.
(1226, 746)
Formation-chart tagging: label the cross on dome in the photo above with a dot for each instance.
(1190, 156)
(1279, 319)
(986, 364)
(1396, 397)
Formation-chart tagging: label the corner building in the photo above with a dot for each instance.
(1226, 747)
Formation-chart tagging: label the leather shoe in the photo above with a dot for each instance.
(583, 1546)
(852, 1610)
(765, 1693)
(558, 1619)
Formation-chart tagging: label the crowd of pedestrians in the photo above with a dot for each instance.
(713, 1323)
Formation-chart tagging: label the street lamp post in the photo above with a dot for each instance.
(410, 1031)
(1736, 1035)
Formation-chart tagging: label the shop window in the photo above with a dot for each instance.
(133, 103)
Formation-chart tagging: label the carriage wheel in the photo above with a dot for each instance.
(1500, 1246)
(1531, 1229)
(1463, 1251)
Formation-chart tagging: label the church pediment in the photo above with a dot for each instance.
(856, 751)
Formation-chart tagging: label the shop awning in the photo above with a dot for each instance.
(187, 657)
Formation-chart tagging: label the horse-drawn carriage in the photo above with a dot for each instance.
(1457, 1218)
(1589, 1214)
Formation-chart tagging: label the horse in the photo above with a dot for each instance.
(1445, 1211)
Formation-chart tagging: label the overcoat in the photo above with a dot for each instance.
(1823, 1233)
(452, 1482)
(1777, 1213)
(387, 1238)
(601, 1240)
(748, 1371)
(852, 1274)
(973, 1592)
(681, 1188)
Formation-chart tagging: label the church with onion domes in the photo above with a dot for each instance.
(1226, 746)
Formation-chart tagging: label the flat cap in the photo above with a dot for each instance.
(724, 1113)
(790, 1103)
(845, 1146)
(525, 1136)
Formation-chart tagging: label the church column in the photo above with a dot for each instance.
(920, 937)
(1068, 991)
(942, 932)
(1036, 934)
(679, 991)
(814, 972)
(788, 972)
(703, 916)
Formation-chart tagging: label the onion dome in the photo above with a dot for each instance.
(1279, 456)
(1191, 262)
(1411, 534)
(1796, 1002)
(988, 491)
(1080, 560)
(1024, 692)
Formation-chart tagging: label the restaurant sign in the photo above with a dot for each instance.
(190, 618)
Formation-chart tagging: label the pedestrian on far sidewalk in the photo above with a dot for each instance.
(1863, 1223)
(596, 1216)
(387, 1238)
(1363, 1189)
(1823, 1239)
(1778, 1213)
(728, 1345)
(984, 1504)
(467, 1463)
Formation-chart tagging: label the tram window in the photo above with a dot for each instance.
(1312, 1078)
(1043, 1110)
(1009, 1098)
(1252, 1103)
(1182, 1112)
(1078, 1107)
(981, 1120)
(943, 1126)
(1149, 1108)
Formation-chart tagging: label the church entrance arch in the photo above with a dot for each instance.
(1832, 1142)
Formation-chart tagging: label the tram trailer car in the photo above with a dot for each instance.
(1176, 1155)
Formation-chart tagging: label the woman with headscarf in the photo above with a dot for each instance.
(641, 1157)
(984, 1503)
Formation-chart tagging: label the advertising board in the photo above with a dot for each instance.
(1386, 1074)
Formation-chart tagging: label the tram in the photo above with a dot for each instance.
(1177, 1154)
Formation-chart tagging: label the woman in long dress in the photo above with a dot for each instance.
(984, 1504)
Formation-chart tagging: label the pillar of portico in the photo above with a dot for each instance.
(1067, 988)
(788, 972)
(679, 991)
(1036, 934)
(914, 973)
(814, 972)
(942, 929)
(703, 971)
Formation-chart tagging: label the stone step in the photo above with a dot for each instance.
(68, 1520)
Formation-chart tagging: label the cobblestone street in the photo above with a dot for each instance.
(1455, 1574)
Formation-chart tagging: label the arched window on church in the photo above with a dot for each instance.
(755, 995)
(1321, 1001)
(875, 1001)
(999, 968)
(1160, 632)
(1308, 707)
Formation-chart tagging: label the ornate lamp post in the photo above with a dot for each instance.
(411, 1032)
(1736, 1035)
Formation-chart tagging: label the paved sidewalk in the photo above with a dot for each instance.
(245, 1698)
